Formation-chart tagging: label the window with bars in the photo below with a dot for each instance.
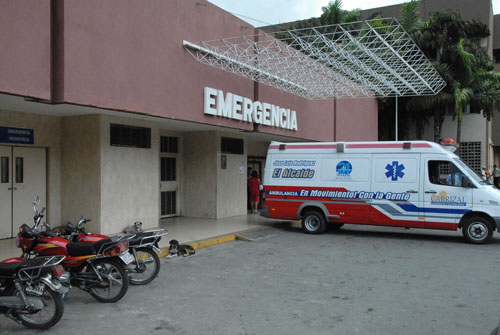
(168, 203)
(229, 145)
(168, 169)
(130, 136)
(169, 144)
(470, 153)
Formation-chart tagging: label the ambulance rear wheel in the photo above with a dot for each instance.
(313, 222)
(477, 230)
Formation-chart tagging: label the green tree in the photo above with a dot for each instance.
(334, 14)
(410, 16)
(453, 45)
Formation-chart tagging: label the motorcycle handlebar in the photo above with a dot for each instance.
(47, 234)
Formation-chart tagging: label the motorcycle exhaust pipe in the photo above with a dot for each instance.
(18, 303)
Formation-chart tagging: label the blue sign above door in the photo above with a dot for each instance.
(17, 135)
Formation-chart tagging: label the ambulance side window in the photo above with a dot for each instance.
(444, 173)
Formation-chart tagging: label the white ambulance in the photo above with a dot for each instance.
(414, 184)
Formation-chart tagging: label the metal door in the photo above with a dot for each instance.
(169, 186)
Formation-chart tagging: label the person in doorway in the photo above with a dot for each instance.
(253, 186)
(249, 175)
(496, 176)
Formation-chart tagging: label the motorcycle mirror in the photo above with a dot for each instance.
(37, 200)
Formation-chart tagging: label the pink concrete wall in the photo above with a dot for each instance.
(357, 120)
(128, 55)
(25, 47)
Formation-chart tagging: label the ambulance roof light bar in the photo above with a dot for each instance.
(449, 144)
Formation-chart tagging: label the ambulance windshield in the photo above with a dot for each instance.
(472, 174)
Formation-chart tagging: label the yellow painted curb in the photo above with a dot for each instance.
(204, 243)
(163, 252)
(213, 241)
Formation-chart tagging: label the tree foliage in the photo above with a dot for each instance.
(410, 16)
(453, 44)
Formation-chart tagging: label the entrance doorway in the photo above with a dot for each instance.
(169, 177)
(255, 164)
(22, 177)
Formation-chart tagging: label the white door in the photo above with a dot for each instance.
(23, 177)
(398, 195)
(445, 200)
(5, 192)
(169, 186)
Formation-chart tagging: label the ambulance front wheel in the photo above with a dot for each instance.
(477, 230)
(313, 222)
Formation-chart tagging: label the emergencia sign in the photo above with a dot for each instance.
(17, 135)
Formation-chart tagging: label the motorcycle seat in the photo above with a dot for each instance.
(9, 269)
(84, 248)
(34, 265)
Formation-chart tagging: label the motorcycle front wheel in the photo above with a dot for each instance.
(48, 316)
(114, 282)
(144, 268)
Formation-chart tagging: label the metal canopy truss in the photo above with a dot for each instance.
(375, 58)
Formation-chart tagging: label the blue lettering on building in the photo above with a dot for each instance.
(17, 135)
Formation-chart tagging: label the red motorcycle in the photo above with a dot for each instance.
(98, 268)
(143, 246)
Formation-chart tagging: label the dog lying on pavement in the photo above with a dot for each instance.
(177, 249)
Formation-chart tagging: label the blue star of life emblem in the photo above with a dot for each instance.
(395, 170)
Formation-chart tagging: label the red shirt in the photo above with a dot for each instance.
(253, 185)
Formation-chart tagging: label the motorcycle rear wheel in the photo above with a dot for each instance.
(48, 316)
(149, 267)
(115, 281)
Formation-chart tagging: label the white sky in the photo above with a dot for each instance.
(278, 11)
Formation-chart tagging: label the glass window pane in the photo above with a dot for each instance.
(5, 169)
(168, 168)
(169, 144)
(172, 169)
(163, 169)
(19, 170)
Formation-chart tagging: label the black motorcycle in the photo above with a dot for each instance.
(31, 292)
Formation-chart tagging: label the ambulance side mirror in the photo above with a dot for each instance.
(466, 182)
